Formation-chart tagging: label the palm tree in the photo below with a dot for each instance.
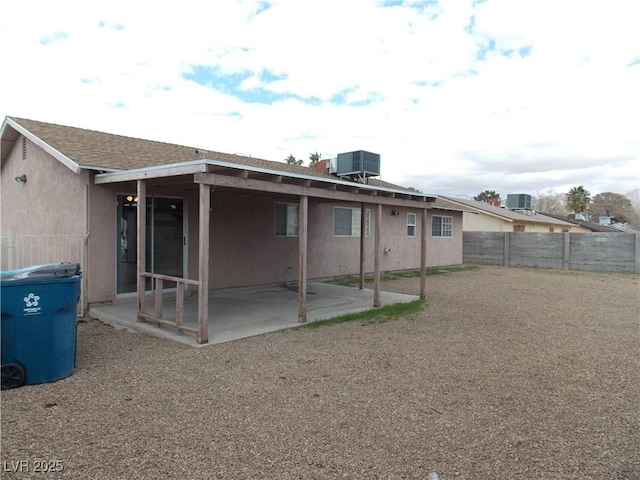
(487, 196)
(291, 160)
(578, 199)
(314, 158)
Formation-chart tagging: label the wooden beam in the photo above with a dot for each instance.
(154, 172)
(376, 258)
(203, 264)
(311, 192)
(423, 256)
(303, 215)
(362, 227)
(141, 233)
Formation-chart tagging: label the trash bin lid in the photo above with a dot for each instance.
(47, 271)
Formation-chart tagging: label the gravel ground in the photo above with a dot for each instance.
(509, 373)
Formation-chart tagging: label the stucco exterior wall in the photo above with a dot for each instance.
(245, 249)
(101, 259)
(443, 251)
(50, 203)
(478, 222)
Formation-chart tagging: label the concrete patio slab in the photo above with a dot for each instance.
(247, 311)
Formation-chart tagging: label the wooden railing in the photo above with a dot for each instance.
(157, 316)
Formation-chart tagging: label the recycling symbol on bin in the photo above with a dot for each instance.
(31, 300)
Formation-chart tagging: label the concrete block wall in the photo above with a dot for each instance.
(604, 252)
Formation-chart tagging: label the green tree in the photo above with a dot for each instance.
(314, 158)
(487, 196)
(609, 204)
(578, 199)
(291, 160)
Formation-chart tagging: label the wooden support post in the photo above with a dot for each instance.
(376, 258)
(159, 288)
(303, 216)
(141, 235)
(423, 255)
(180, 306)
(362, 227)
(203, 264)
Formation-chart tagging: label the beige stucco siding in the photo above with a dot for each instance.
(442, 251)
(479, 222)
(50, 203)
(246, 251)
(102, 243)
(52, 200)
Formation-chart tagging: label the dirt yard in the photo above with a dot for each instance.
(508, 373)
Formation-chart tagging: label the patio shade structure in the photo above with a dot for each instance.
(210, 175)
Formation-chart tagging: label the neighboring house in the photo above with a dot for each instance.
(485, 217)
(212, 220)
(590, 226)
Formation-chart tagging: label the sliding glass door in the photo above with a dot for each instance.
(165, 250)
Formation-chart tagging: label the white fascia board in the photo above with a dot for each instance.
(66, 161)
(192, 167)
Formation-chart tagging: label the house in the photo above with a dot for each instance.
(144, 216)
(590, 226)
(487, 217)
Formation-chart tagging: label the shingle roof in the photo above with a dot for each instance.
(594, 227)
(106, 151)
(506, 213)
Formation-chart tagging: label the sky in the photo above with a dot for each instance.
(458, 97)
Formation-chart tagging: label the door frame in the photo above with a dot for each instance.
(185, 240)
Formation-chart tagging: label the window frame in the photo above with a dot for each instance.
(445, 229)
(411, 226)
(296, 226)
(355, 222)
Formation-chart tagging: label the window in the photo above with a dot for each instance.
(551, 229)
(411, 224)
(346, 222)
(441, 226)
(518, 228)
(287, 215)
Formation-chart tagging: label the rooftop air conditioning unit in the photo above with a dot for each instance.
(518, 201)
(358, 164)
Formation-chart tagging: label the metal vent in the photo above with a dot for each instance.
(24, 148)
(518, 201)
(358, 164)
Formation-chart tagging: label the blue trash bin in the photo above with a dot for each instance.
(39, 323)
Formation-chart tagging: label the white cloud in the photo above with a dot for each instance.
(511, 95)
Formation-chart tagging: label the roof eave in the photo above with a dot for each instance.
(66, 161)
(200, 166)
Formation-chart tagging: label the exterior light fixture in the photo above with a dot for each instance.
(22, 178)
